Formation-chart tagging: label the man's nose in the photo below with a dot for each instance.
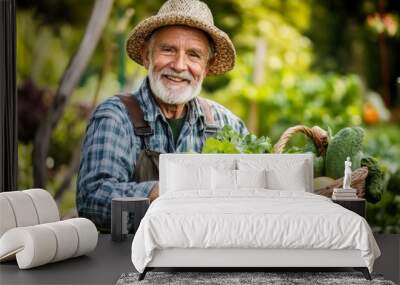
(179, 63)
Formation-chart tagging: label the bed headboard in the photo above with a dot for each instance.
(232, 160)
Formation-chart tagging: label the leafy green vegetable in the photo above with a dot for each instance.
(213, 145)
(319, 166)
(375, 180)
(347, 142)
(310, 147)
(227, 140)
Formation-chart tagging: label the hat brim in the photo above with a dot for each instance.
(224, 51)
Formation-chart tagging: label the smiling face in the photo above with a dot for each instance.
(177, 59)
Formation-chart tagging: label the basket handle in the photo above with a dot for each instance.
(316, 134)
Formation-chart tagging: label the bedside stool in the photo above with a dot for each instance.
(356, 205)
(120, 208)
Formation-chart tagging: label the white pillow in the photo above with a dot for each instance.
(188, 177)
(227, 179)
(251, 178)
(223, 179)
(282, 174)
(293, 180)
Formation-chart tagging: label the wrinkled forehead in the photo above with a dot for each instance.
(173, 33)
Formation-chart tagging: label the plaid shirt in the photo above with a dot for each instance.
(110, 150)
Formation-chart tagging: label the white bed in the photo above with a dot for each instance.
(195, 223)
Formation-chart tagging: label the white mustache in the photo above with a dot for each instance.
(185, 75)
(174, 95)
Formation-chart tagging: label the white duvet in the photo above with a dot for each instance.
(256, 218)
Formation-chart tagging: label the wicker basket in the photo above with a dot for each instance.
(320, 139)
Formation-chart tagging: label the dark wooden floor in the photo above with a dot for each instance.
(389, 262)
(110, 260)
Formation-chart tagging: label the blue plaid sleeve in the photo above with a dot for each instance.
(107, 164)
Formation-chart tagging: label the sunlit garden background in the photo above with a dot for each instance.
(328, 63)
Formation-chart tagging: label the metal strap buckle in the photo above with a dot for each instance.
(211, 129)
(143, 131)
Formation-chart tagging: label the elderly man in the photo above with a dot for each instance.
(179, 47)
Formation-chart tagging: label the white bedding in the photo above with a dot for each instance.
(252, 218)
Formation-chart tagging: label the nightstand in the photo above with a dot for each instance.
(120, 210)
(356, 205)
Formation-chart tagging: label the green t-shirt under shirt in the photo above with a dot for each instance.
(176, 127)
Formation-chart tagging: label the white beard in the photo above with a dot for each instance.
(174, 96)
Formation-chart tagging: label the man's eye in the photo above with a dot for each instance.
(195, 55)
(166, 49)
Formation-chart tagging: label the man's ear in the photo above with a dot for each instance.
(145, 57)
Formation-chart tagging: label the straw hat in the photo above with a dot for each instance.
(192, 13)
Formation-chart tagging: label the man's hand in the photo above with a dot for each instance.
(154, 193)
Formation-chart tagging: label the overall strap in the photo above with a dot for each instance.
(140, 126)
(210, 127)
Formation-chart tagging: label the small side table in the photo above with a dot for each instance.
(356, 205)
(120, 208)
